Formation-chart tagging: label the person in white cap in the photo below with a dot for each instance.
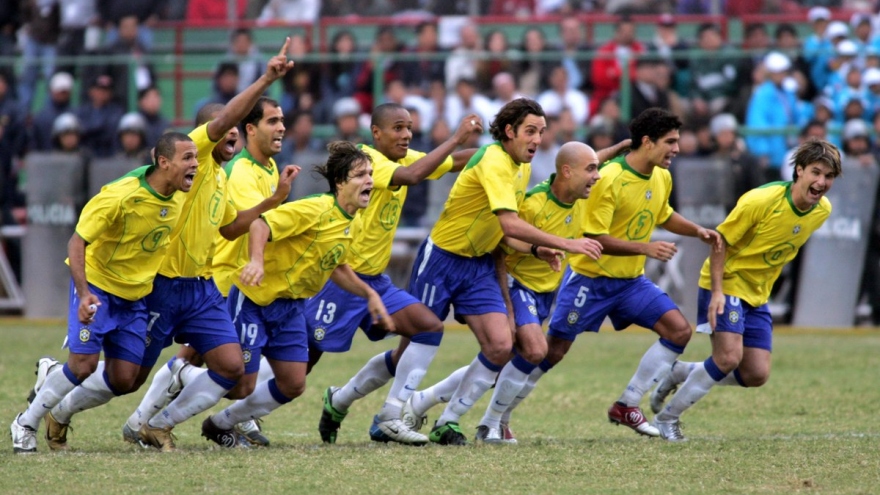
(816, 43)
(857, 142)
(58, 102)
(771, 107)
(132, 138)
(747, 172)
(871, 83)
(346, 115)
(819, 53)
(840, 67)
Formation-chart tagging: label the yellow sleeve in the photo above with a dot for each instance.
(291, 219)
(229, 214)
(98, 215)
(599, 214)
(495, 175)
(204, 145)
(737, 224)
(443, 169)
(383, 171)
(667, 208)
(246, 193)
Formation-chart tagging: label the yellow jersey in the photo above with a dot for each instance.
(127, 227)
(310, 238)
(627, 205)
(204, 211)
(371, 251)
(250, 182)
(491, 181)
(545, 211)
(763, 232)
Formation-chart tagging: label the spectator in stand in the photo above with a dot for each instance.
(343, 8)
(599, 134)
(646, 92)
(99, 116)
(385, 42)
(244, 52)
(860, 22)
(573, 47)
(871, 80)
(500, 60)
(132, 139)
(786, 41)
(134, 70)
(337, 74)
(12, 146)
(559, 96)
(607, 71)
(857, 143)
(701, 7)
(224, 87)
(512, 8)
(609, 112)
(824, 65)
(419, 74)
(39, 38)
(462, 61)
(757, 43)
(817, 45)
(533, 69)
(207, 11)
(346, 115)
(290, 11)
(300, 145)
(747, 172)
(302, 83)
(67, 134)
(150, 108)
(771, 107)
(58, 102)
(505, 90)
(544, 161)
(395, 92)
(842, 66)
(466, 100)
(713, 74)
(145, 12)
(10, 20)
(672, 50)
(852, 92)
(78, 17)
(568, 129)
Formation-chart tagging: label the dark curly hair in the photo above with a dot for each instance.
(513, 114)
(344, 156)
(654, 123)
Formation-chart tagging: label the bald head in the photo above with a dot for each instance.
(574, 153)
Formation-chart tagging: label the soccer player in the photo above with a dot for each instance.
(552, 206)
(764, 231)
(185, 302)
(622, 211)
(120, 240)
(252, 180)
(334, 316)
(455, 264)
(310, 241)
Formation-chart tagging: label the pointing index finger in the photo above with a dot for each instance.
(284, 48)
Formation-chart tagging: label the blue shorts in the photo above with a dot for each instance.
(277, 331)
(186, 310)
(119, 327)
(334, 315)
(584, 302)
(529, 307)
(754, 324)
(440, 278)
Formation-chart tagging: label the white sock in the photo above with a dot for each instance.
(154, 399)
(697, 385)
(56, 386)
(260, 403)
(372, 376)
(411, 369)
(265, 372)
(534, 376)
(656, 358)
(729, 380)
(441, 392)
(681, 370)
(189, 374)
(510, 383)
(199, 396)
(474, 384)
(92, 392)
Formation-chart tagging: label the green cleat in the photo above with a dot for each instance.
(331, 418)
(448, 434)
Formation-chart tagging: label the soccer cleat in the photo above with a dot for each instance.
(331, 418)
(56, 433)
(507, 435)
(670, 430)
(413, 421)
(487, 434)
(45, 365)
(448, 434)
(393, 430)
(665, 387)
(24, 438)
(131, 436)
(223, 438)
(251, 432)
(161, 438)
(631, 417)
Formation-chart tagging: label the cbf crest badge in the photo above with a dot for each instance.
(84, 334)
(163, 212)
(573, 317)
(568, 220)
(533, 310)
(320, 333)
(246, 355)
(796, 230)
(648, 195)
(733, 316)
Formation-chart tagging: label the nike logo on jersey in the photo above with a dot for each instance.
(624, 184)
(547, 216)
(138, 200)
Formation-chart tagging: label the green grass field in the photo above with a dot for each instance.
(812, 429)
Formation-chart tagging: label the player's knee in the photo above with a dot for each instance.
(231, 371)
(82, 369)
(727, 361)
(292, 388)
(123, 385)
(534, 352)
(497, 353)
(680, 335)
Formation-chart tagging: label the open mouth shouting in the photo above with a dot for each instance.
(188, 179)
(364, 196)
(276, 142)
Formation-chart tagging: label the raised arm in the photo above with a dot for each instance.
(426, 165)
(244, 218)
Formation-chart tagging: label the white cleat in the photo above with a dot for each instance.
(397, 431)
(665, 387)
(670, 430)
(488, 434)
(411, 419)
(45, 365)
(24, 438)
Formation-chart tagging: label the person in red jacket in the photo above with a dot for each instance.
(607, 69)
(206, 11)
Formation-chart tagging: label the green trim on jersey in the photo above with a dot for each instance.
(776, 183)
(544, 187)
(146, 185)
(794, 208)
(246, 154)
(344, 213)
(478, 156)
(635, 172)
(138, 172)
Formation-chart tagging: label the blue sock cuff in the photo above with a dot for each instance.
(545, 366)
(521, 364)
(389, 363)
(427, 338)
(276, 393)
(69, 374)
(739, 378)
(713, 370)
(678, 349)
(106, 378)
(221, 380)
(170, 363)
(489, 364)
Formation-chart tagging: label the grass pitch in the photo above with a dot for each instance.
(812, 429)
